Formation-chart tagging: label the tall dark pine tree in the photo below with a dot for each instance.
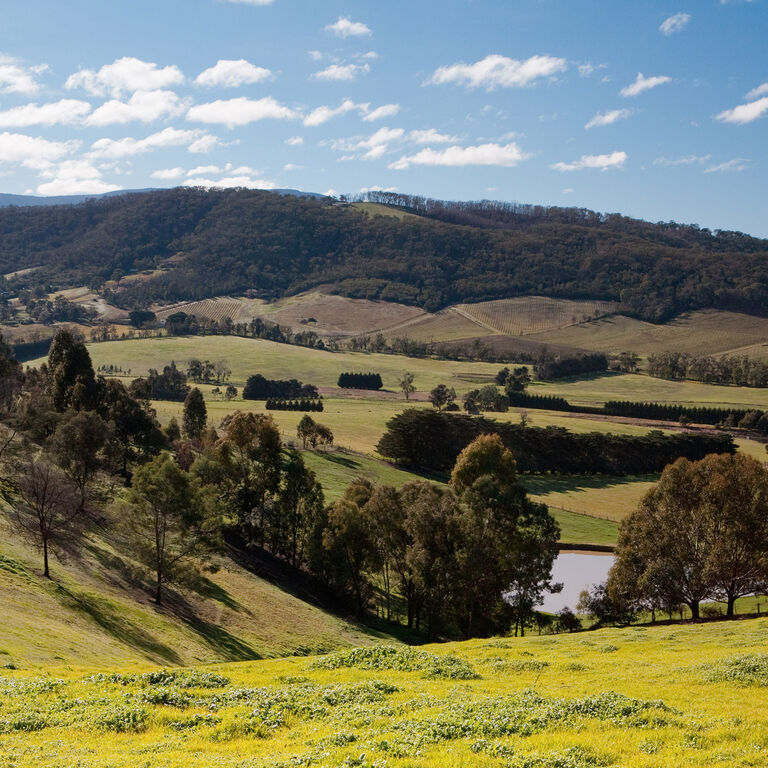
(195, 414)
(73, 383)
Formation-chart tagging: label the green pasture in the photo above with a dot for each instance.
(641, 697)
(597, 389)
(284, 361)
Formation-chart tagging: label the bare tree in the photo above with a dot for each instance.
(48, 509)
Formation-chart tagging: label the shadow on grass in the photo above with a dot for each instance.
(114, 622)
(337, 458)
(224, 643)
(541, 485)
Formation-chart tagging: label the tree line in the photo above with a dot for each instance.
(360, 381)
(283, 404)
(474, 558)
(701, 533)
(430, 441)
(740, 371)
(258, 387)
(239, 240)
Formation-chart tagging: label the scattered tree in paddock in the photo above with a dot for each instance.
(171, 524)
(442, 396)
(407, 385)
(195, 415)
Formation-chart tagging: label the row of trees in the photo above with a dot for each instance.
(741, 371)
(564, 366)
(360, 381)
(430, 441)
(257, 387)
(283, 404)
(187, 324)
(476, 556)
(700, 534)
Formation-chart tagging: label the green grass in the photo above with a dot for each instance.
(96, 612)
(582, 529)
(336, 470)
(642, 697)
(284, 361)
(602, 496)
(595, 390)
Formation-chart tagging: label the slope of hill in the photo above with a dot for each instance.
(690, 696)
(205, 243)
(97, 612)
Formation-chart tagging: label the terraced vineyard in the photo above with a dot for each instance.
(534, 314)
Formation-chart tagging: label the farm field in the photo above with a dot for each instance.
(642, 697)
(284, 361)
(610, 498)
(445, 325)
(326, 314)
(706, 332)
(533, 314)
(597, 389)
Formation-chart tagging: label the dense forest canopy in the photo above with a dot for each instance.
(218, 242)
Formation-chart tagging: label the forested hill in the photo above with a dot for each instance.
(218, 242)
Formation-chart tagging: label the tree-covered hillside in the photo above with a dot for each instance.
(217, 242)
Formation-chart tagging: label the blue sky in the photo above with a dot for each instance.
(652, 109)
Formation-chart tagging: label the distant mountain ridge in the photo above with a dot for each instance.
(194, 243)
(8, 199)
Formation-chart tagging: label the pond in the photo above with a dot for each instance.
(576, 571)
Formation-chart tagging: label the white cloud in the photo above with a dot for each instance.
(294, 141)
(373, 147)
(16, 78)
(231, 181)
(759, 91)
(292, 167)
(63, 112)
(602, 162)
(607, 118)
(385, 110)
(203, 170)
(745, 113)
(143, 106)
(736, 165)
(125, 75)
(228, 73)
(644, 84)
(31, 151)
(508, 155)
(344, 27)
(585, 70)
(685, 160)
(116, 149)
(496, 71)
(167, 173)
(241, 111)
(341, 72)
(315, 55)
(74, 177)
(567, 191)
(375, 188)
(206, 143)
(431, 136)
(675, 23)
(321, 115)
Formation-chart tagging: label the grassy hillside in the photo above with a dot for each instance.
(534, 314)
(639, 698)
(705, 332)
(96, 613)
